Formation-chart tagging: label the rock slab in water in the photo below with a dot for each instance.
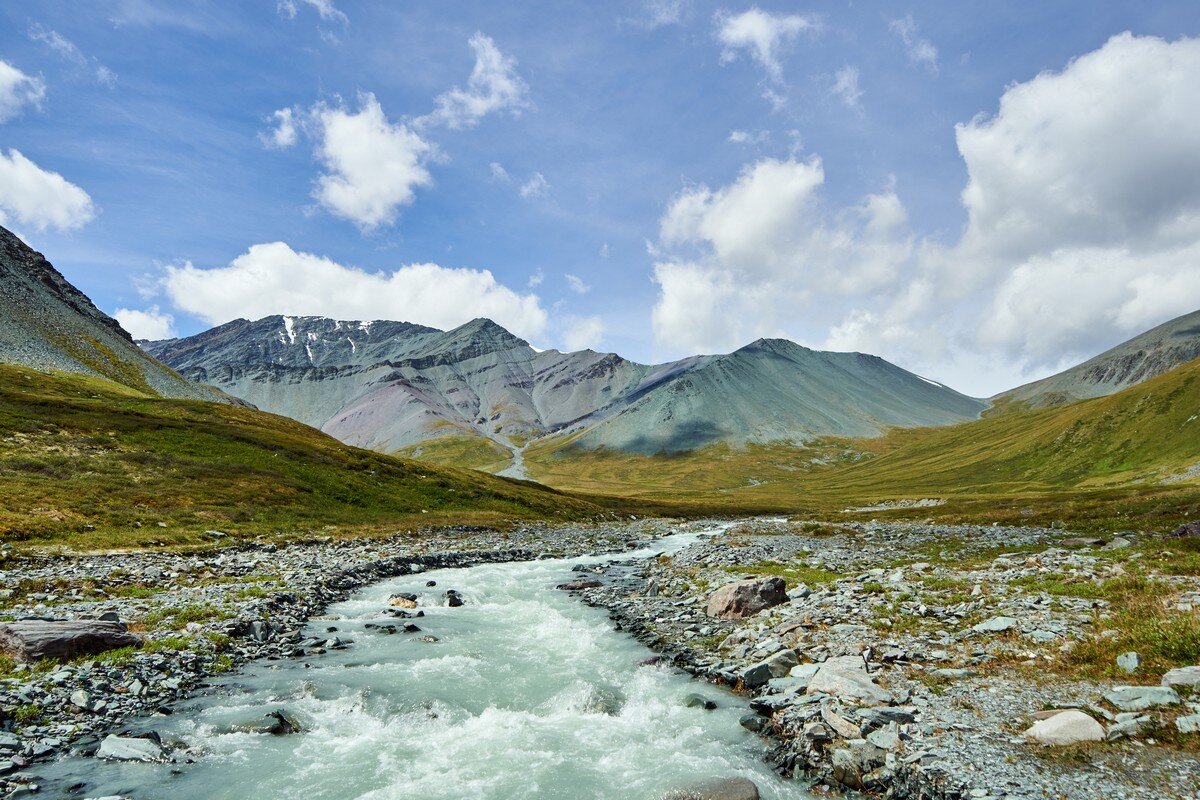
(744, 598)
(719, 789)
(1067, 727)
(123, 748)
(34, 640)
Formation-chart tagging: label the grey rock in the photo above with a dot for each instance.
(1187, 677)
(1188, 724)
(121, 748)
(1128, 662)
(34, 640)
(1068, 727)
(996, 625)
(717, 789)
(847, 677)
(744, 598)
(1140, 698)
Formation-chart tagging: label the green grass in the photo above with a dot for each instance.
(1095, 465)
(793, 573)
(89, 463)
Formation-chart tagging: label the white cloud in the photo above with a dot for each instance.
(494, 86)
(536, 186)
(536, 279)
(660, 13)
(746, 137)
(40, 198)
(845, 86)
(372, 165)
(761, 34)
(604, 250)
(577, 285)
(65, 49)
(284, 134)
(18, 90)
(499, 172)
(738, 259)
(920, 51)
(1082, 200)
(150, 323)
(273, 278)
(583, 333)
(324, 8)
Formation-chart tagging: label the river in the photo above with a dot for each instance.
(508, 703)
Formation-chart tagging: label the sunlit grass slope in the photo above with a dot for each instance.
(91, 463)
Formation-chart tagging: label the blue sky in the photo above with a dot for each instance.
(654, 178)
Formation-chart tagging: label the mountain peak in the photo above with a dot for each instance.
(484, 329)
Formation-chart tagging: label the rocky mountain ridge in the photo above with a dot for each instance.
(390, 385)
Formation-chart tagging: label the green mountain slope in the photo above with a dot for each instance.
(91, 463)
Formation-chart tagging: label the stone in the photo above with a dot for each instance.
(1188, 724)
(745, 598)
(1128, 662)
(575, 586)
(81, 699)
(1187, 677)
(717, 789)
(403, 600)
(781, 663)
(1140, 698)
(694, 700)
(124, 748)
(851, 763)
(452, 598)
(839, 724)
(1125, 728)
(847, 677)
(996, 625)
(884, 739)
(603, 700)
(1187, 529)
(755, 676)
(33, 640)
(1068, 727)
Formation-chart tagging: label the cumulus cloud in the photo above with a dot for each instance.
(1082, 203)
(284, 134)
(582, 333)
(150, 323)
(920, 51)
(18, 90)
(760, 34)
(746, 137)
(273, 278)
(372, 166)
(845, 86)
(39, 198)
(494, 86)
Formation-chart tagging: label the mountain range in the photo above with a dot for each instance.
(393, 385)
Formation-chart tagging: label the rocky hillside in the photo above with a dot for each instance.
(1143, 357)
(391, 385)
(46, 323)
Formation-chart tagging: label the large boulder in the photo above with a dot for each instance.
(717, 789)
(127, 748)
(33, 640)
(745, 598)
(1066, 727)
(1187, 677)
(847, 677)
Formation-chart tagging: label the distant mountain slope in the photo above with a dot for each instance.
(1143, 357)
(775, 390)
(46, 323)
(391, 385)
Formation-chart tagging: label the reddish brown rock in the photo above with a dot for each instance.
(744, 598)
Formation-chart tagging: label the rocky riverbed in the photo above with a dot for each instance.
(203, 613)
(922, 661)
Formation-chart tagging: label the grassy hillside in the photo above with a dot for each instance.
(1098, 462)
(92, 463)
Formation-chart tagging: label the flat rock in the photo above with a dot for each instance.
(1140, 698)
(122, 748)
(718, 789)
(996, 625)
(847, 676)
(1067, 727)
(744, 598)
(64, 640)
(1188, 724)
(1182, 676)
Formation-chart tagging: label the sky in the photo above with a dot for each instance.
(980, 192)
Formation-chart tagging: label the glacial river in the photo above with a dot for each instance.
(526, 693)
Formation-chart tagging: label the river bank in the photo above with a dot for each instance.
(204, 614)
(944, 644)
